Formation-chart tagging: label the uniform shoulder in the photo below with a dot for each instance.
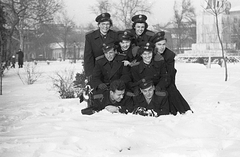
(120, 56)
(133, 65)
(149, 33)
(90, 32)
(113, 31)
(98, 96)
(170, 53)
(161, 93)
(99, 57)
(130, 94)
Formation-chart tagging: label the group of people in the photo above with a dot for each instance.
(131, 71)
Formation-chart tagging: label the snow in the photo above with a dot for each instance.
(35, 122)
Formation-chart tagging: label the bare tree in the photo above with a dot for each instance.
(22, 15)
(101, 7)
(124, 10)
(216, 8)
(184, 22)
(67, 26)
(2, 37)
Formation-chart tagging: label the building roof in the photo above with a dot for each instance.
(235, 9)
(56, 45)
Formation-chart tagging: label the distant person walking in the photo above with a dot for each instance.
(20, 58)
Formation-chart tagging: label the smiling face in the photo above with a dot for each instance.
(139, 28)
(125, 44)
(148, 92)
(104, 27)
(161, 46)
(110, 54)
(117, 95)
(147, 56)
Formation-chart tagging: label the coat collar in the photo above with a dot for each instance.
(142, 66)
(97, 34)
(117, 63)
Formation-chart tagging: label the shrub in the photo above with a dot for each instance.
(32, 74)
(79, 81)
(63, 83)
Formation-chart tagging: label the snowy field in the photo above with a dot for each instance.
(35, 122)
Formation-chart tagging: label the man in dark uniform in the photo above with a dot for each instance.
(160, 41)
(114, 100)
(177, 102)
(109, 68)
(20, 58)
(139, 29)
(149, 68)
(124, 47)
(95, 40)
(150, 103)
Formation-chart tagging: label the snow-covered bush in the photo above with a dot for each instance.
(31, 74)
(63, 83)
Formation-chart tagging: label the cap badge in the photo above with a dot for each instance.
(125, 33)
(140, 16)
(103, 15)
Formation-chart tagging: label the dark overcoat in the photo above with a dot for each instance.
(127, 54)
(106, 72)
(93, 48)
(169, 58)
(158, 103)
(177, 103)
(20, 57)
(102, 100)
(143, 38)
(156, 71)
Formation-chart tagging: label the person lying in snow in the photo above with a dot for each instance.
(150, 102)
(114, 100)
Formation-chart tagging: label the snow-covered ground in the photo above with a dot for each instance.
(35, 122)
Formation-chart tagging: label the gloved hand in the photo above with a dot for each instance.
(102, 86)
(140, 111)
(151, 112)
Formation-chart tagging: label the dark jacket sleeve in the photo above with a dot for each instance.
(165, 78)
(88, 57)
(163, 106)
(126, 105)
(169, 57)
(126, 76)
(96, 76)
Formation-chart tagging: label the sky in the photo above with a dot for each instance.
(162, 10)
(35, 122)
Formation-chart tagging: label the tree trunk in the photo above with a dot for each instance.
(1, 68)
(223, 55)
